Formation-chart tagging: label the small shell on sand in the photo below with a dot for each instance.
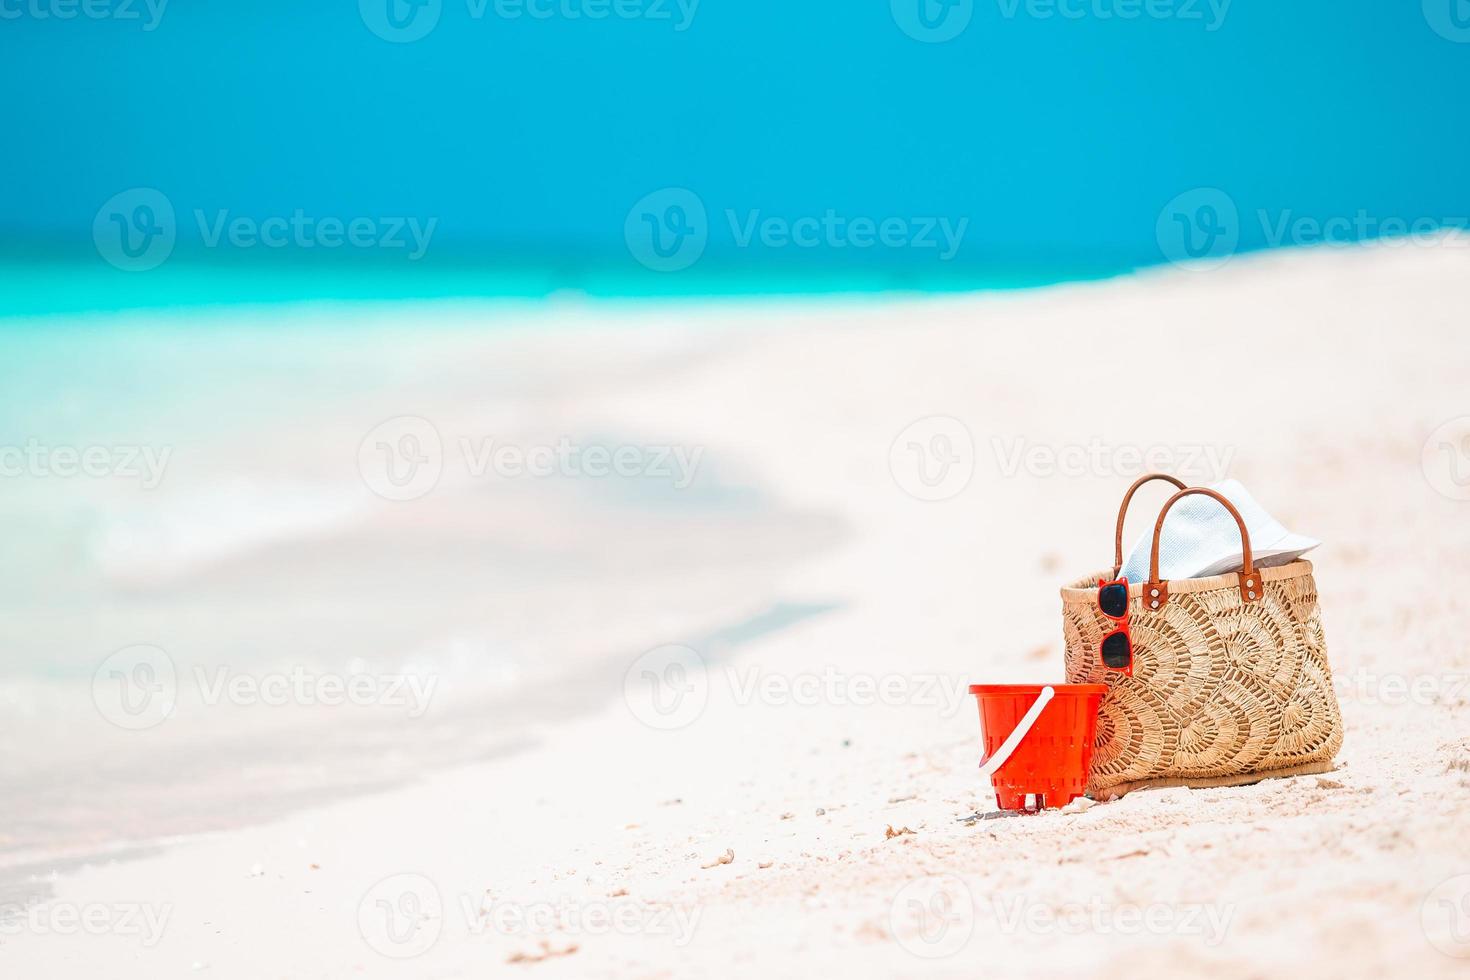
(546, 952)
(725, 858)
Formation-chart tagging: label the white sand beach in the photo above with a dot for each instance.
(544, 811)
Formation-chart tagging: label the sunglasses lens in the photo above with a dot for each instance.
(1113, 600)
(1117, 652)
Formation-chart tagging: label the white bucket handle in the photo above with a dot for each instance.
(999, 757)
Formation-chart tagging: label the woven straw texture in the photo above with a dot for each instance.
(1223, 690)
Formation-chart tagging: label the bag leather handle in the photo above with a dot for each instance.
(1156, 593)
(1123, 512)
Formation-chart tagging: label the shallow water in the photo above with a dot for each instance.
(255, 576)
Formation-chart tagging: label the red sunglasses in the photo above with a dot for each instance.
(1117, 646)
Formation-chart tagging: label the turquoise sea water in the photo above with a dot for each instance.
(46, 287)
(553, 152)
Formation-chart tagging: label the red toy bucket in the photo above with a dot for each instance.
(1037, 740)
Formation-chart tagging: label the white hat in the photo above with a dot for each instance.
(1200, 538)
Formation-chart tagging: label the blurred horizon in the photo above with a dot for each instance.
(525, 148)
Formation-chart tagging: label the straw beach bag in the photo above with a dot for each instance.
(1230, 682)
